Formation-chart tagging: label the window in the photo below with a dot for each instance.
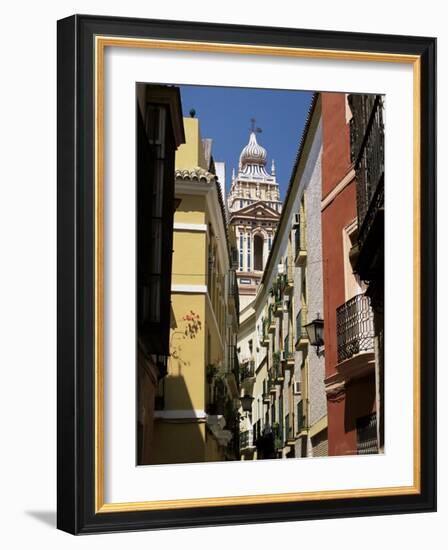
(248, 252)
(297, 238)
(258, 252)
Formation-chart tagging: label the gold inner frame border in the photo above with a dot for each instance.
(101, 42)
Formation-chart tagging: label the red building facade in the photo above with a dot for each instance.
(350, 372)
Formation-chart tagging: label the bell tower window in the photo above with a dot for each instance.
(258, 253)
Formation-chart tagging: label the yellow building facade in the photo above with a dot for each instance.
(195, 420)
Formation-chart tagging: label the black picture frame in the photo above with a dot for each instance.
(76, 254)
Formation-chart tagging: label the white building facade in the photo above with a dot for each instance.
(288, 417)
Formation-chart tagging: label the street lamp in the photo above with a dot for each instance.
(246, 403)
(315, 331)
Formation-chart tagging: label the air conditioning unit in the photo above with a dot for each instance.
(296, 388)
(296, 220)
(282, 356)
(281, 269)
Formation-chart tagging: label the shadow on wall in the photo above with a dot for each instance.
(359, 401)
(178, 436)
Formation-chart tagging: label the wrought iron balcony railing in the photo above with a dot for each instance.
(265, 332)
(233, 362)
(277, 372)
(300, 241)
(288, 352)
(355, 330)
(289, 428)
(217, 407)
(367, 148)
(301, 333)
(271, 319)
(290, 271)
(247, 370)
(277, 430)
(301, 419)
(277, 293)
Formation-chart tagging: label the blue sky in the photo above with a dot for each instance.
(225, 113)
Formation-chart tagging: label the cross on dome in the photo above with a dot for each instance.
(253, 128)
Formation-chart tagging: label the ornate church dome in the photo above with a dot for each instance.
(253, 153)
(253, 159)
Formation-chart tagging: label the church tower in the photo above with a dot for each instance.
(254, 210)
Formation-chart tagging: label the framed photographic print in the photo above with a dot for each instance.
(246, 274)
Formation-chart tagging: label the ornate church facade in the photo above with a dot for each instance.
(254, 208)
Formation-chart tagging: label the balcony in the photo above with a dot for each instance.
(367, 149)
(355, 335)
(278, 307)
(288, 353)
(232, 372)
(285, 280)
(301, 418)
(277, 373)
(271, 384)
(277, 431)
(247, 370)
(289, 275)
(276, 293)
(278, 301)
(367, 146)
(265, 333)
(216, 408)
(289, 431)
(302, 339)
(271, 318)
(300, 243)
